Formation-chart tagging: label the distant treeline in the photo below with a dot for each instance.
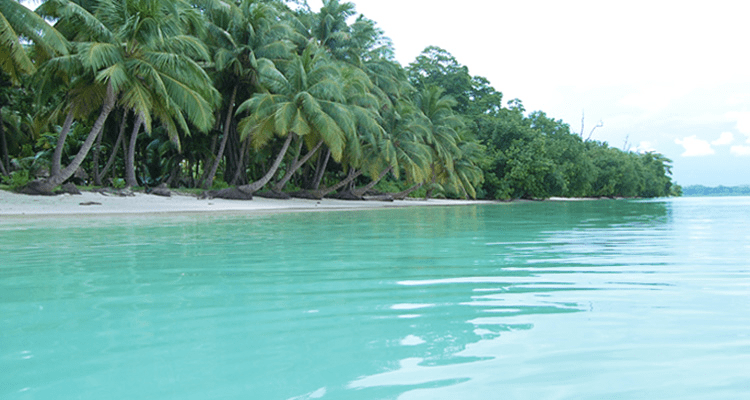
(700, 190)
(269, 96)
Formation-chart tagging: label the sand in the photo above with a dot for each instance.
(92, 203)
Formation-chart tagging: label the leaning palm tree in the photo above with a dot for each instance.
(238, 35)
(157, 66)
(368, 132)
(304, 102)
(467, 172)
(442, 136)
(402, 147)
(135, 53)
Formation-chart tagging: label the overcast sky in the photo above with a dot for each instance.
(668, 76)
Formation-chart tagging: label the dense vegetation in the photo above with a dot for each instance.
(700, 190)
(267, 95)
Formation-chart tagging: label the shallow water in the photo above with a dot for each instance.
(578, 300)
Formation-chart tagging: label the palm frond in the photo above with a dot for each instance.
(13, 58)
(31, 25)
(96, 55)
(198, 109)
(76, 19)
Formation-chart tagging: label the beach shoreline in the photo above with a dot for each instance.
(95, 203)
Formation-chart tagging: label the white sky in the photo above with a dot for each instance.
(664, 75)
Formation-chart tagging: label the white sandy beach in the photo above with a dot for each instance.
(91, 203)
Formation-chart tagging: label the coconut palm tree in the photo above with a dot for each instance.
(402, 148)
(363, 143)
(240, 34)
(467, 171)
(442, 133)
(17, 22)
(306, 101)
(332, 32)
(137, 54)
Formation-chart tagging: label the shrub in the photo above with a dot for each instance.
(17, 179)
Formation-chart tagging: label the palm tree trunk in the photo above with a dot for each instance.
(321, 170)
(5, 161)
(241, 167)
(97, 150)
(60, 146)
(296, 166)
(320, 193)
(402, 195)
(253, 187)
(115, 149)
(293, 161)
(227, 122)
(48, 184)
(432, 184)
(360, 192)
(130, 179)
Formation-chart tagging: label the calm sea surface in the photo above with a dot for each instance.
(575, 300)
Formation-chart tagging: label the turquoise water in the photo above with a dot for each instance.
(579, 300)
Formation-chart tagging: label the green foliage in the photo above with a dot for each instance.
(17, 179)
(244, 76)
(218, 184)
(118, 183)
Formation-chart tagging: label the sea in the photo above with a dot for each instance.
(606, 299)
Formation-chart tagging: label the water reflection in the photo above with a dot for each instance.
(522, 279)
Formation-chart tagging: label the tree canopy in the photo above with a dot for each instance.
(269, 96)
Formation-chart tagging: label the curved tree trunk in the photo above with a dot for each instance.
(46, 185)
(320, 193)
(60, 146)
(97, 150)
(5, 161)
(115, 149)
(296, 157)
(130, 178)
(98, 147)
(321, 171)
(432, 184)
(402, 195)
(295, 167)
(241, 167)
(227, 123)
(360, 192)
(253, 187)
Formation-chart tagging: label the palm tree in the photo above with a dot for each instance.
(403, 147)
(442, 133)
(332, 32)
(137, 54)
(17, 22)
(467, 172)
(306, 102)
(365, 139)
(239, 35)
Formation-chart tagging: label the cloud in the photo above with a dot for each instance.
(742, 151)
(743, 121)
(723, 140)
(645, 147)
(695, 147)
